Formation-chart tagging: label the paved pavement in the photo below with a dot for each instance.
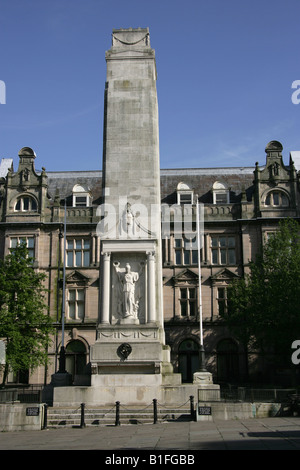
(188, 437)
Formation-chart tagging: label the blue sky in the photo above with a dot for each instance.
(225, 70)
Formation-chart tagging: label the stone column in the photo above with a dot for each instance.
(151, 288)
(105, 289)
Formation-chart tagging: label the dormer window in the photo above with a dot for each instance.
(185, 195)
(81, 196)
(26, 204)
(220, 193)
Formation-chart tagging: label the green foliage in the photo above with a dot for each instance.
(24, 322)
(265, 306)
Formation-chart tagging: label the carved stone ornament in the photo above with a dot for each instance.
(124, 350)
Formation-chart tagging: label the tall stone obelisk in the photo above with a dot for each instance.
(130, 352)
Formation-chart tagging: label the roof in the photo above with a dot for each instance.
(200, 180)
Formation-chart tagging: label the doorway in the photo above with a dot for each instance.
(188, 359)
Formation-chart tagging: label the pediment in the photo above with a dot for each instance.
(224, 275)
(186, 276)
(77, 277)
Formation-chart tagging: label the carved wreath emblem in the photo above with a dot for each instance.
(124, 350)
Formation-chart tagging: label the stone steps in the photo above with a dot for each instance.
(71, 417)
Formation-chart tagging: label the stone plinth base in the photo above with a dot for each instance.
(207, 390)
(129, 349)
(139, 394)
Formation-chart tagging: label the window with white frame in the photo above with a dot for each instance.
(29, 241)
(223, 249)
(75, 303)
(220, 193)
(188, 304)
(185, 195)
(26, 204)
(81, 196)
(78, 252)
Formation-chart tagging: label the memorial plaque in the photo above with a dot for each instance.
(32, 411)
(204, 410)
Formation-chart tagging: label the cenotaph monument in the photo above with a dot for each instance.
(130, 351)
(130, 361)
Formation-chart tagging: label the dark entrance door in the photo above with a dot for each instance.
(227, 360)
(188, 359)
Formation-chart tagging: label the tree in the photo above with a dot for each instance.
(265, 305)
(24, 323)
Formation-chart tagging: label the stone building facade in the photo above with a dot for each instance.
(241, 206)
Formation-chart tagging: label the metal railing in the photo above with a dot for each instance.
(26, 394)
(252, 395)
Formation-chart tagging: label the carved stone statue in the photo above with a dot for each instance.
(128, 280)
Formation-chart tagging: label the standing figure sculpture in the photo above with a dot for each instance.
(128, 280)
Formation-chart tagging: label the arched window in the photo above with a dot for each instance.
(277, 199)
(227, 360)
(188, 359)
(26, 204)
(76, 358)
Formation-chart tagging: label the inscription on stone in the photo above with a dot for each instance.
(204, 410)
(32, 411)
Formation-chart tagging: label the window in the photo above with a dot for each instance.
(80, 201)
(76, 358)
(26, 204)
(223, 250)
(78, 252)
(223, 303)
(186, 251)
(184, 194)
(76, 301)
(277, 198)
(15, 241)
(188, 307)
(81, 196)
(220, 193)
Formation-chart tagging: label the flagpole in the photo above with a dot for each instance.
(201, 349)
(62, 358)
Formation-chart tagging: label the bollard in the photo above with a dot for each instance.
(117, 423)
(192, 411)
(82, 423)
(45, 424)
(154, 411)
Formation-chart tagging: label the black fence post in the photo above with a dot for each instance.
(154, 411)
(192, 411)
(82, 423)
(117, 423)
(45, 424)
